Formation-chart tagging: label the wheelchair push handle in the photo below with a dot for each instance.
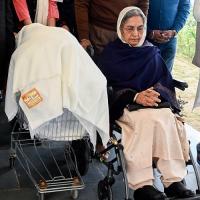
(180, 84)
(90, 50)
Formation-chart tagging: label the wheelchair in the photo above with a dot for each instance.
(116, 165)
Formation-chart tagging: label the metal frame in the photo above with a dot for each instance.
(65, 175)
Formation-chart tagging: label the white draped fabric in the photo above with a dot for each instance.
(52, 72)
(42, 12)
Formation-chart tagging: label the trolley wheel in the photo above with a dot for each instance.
(12, 161)
(82, 153)
(104, 191)
(74, 194)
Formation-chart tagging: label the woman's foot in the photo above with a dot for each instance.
(178, 189)
(148, 192)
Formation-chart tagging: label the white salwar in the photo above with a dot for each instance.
(153, 133)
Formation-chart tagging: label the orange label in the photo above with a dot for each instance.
(32, 98)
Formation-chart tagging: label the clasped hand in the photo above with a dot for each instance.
(148, 97)
(163, 36)
(85, 43)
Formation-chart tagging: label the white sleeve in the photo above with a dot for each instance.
(196, 10)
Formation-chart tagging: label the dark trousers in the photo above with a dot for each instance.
(168, 52)
(7, 40)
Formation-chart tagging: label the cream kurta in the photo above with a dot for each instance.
(148, 133)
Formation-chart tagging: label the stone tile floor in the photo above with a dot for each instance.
(16, 185)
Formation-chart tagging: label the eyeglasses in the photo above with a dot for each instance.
(131, 29)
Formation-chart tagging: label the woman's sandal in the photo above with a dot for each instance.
(178, 190)
(148, 192)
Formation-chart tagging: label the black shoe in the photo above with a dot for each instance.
(148, 192)
(178, 190)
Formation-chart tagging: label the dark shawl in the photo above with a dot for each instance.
(137, 68)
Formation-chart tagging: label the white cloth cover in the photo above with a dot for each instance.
(42, 11)
(52, 72)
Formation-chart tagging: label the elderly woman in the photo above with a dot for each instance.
(145, 100)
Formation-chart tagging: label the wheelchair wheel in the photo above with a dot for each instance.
(82, 153)
(104, 191)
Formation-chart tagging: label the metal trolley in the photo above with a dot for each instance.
(49, 158)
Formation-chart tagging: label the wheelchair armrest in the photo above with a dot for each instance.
(116, 127)
(180, 84)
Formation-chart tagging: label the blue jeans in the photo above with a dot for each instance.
(168, 52)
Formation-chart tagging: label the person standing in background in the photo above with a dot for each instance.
(96, 25)
(96, 20)
(40, 11)
(67, 16)
(7, 42)
(196, 59)
(165, 19)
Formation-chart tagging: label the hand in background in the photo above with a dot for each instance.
(168, 34)
(27, 21)
(66, 27)
(162, 36)
(51, 22)
(85, 43)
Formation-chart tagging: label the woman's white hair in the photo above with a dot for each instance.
(127, 13)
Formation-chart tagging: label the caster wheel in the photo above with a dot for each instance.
(104, 191)
(74, 194)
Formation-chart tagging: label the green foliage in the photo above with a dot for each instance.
(186, 39)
